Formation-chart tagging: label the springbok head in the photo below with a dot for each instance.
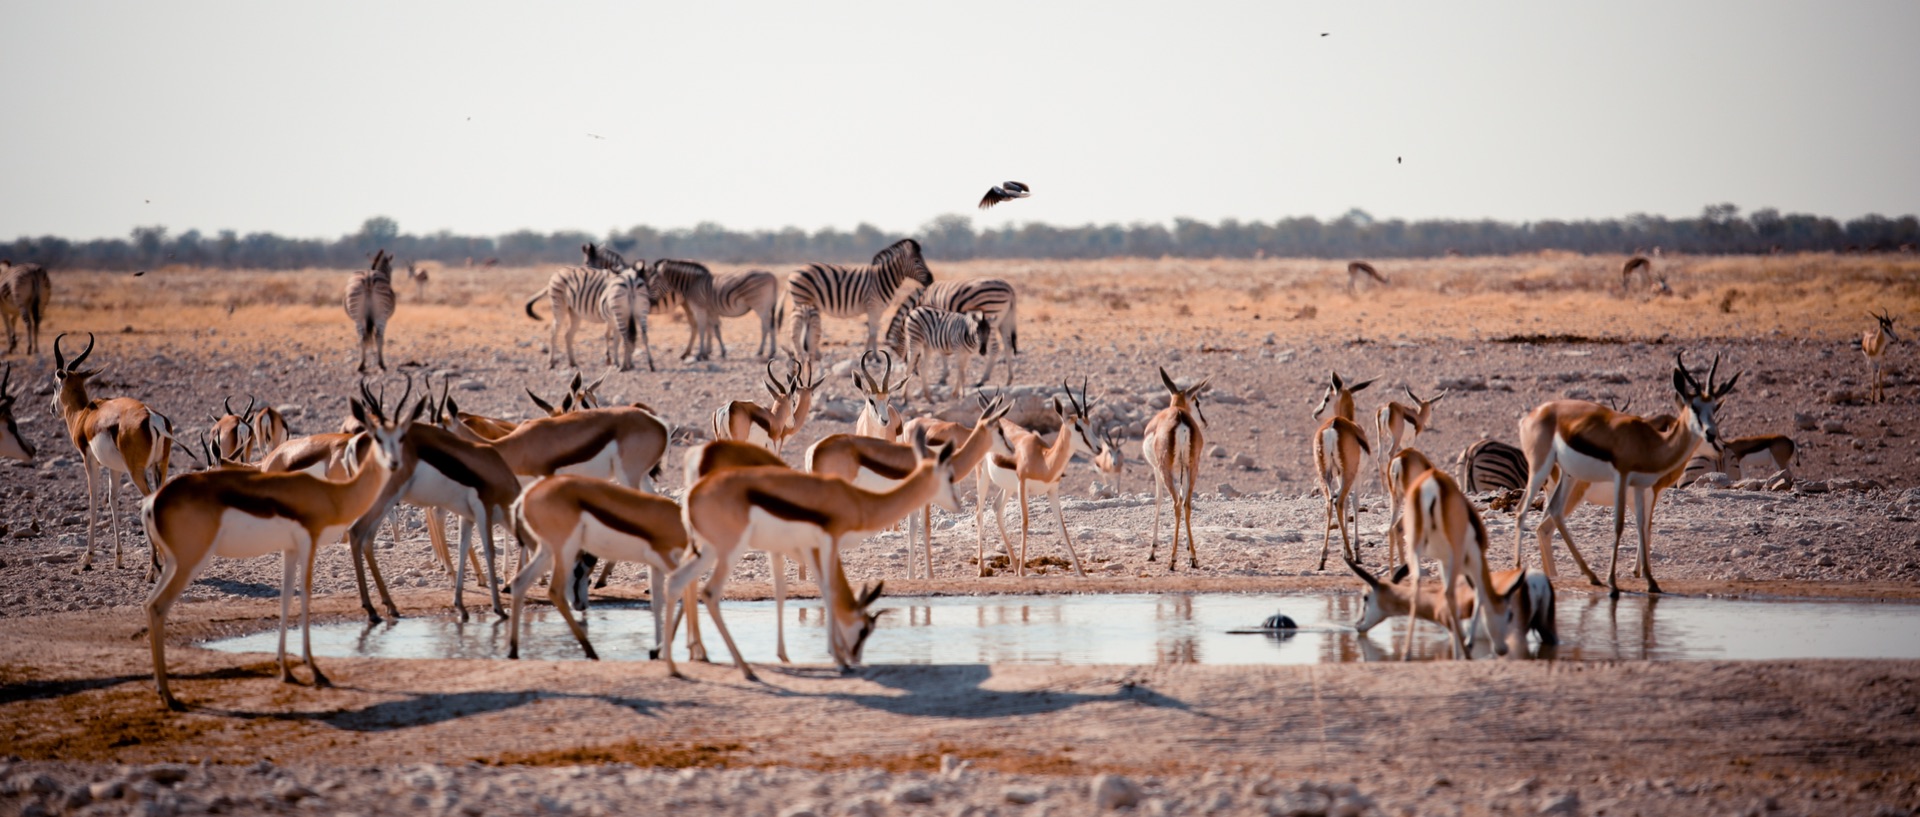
(1075, 418)
(1340, 395)
(878, 389)
(1699, 403)
(1886, 321)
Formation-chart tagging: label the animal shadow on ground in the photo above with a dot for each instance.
(955, 692)
(428, 708)
(252, 590)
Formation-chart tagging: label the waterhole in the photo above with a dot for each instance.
(1174, 628)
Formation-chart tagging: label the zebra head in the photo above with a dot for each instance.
(903, 260)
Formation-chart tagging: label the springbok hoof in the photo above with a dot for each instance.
(320, 680)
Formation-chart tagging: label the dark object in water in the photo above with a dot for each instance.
(1280, 621)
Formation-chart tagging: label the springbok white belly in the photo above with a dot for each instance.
(869, 481)
(432, 489)
(596, 538)
(794, 540)
(758, 436)
(604, 464)
(1594, 470)
(107, 451)
(244, 536)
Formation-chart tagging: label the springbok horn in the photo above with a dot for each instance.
(1364, 574)
(84, 353)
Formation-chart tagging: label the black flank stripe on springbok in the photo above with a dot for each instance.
(884, 469)
(780, 507)
(617, 523)
(584, 451)
(449, 464)
(252, 505)
(1581, 445)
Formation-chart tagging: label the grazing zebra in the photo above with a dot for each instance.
(845, 292)
(939, 332)
(757, 291)
(624, 305)
(991, 297)
(370, 305)
(1491, 465)
(689, 285)
(575, 294)
(24, 292)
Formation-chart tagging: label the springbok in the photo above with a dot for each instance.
(1175, 436)
(1438, 522)
(876, 465)
(1524, 598)
(1036, 467)
(118, 434)
(1595, 444)
(233, 433)
(1408, 463)
(238, 513)
(1339, 447)
(806, 517)
(1775, 450)
(1874, 344)
(1656, 284)
(1393, 422)
(770, 426)
(878, 418)
(1360, 270)
(419, 277)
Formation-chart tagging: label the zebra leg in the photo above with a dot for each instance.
(379, 352)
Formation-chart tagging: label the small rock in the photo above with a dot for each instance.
(1216, 451)
(166, 774)
(1300, 804)
(1243, 461)
(1021, 795)
(107, 790)
(799, 811)
(472, 385)
(1112, 791)
(1560, 805)
(1227, 491)
(1805, 422)
(913, 793)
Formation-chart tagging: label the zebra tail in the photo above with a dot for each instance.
(534, 300)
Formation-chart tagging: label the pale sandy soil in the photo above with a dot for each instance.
(1817, 737)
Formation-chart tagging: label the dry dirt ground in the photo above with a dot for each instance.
(85, 735)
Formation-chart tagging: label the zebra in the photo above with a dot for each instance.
(576, 295)
(757, 291)
(370, 305)
(624, 305)
(1491, 465)
(845, 292)
(993, 298)
(687, 284)
(937, 331)
(24, 292)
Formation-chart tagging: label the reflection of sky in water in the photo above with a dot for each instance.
(1147, 629)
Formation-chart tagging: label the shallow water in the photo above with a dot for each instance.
(1172, 628)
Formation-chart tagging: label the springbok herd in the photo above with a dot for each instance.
(581, 484)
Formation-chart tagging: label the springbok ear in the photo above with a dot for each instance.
(419, 408)
(1057, 409)
(1399, 574)
(1168, 381)
(1360, 385)
(544, 405)
(872, 594)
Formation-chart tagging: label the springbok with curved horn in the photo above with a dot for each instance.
(1036, 467)
(239, 514)
(1339, 447)
(1656, 284)
(118, 434)
(12, 445)
(1401, 469)
(1360, 270)
(1172, 446)
(806, 517)
(269, 430)
(1524, 600)
(878, 418)
(1874, 344)
(770, 426)
(369, 303)
(233, 433)
(876, 465)
(1592, 443)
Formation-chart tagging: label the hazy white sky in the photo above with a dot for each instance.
(482, 117)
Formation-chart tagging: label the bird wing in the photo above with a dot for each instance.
(994, 196)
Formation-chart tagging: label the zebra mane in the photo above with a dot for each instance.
(903, 257)
(678, 265)
(603, 258)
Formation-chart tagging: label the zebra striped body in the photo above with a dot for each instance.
(575, 293)
(845, 292)
(930, 331)
(689, 285)
(624, 306)
(992, 298)
(757, 291)
(1491, 465)
(370, 304)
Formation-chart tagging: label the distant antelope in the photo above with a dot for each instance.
(419, 277)
(1776, 450)
(12, 445)
(370, 304)
(1592, 443)
(24, 292)
(1172, 447)
(118, 434)
(992, 298)
(1034, 466)
(1656, 284)
(1339, 447)
(233, 432)
(845, 292)
(1360, 270)
(770, 426)
(1874, 344)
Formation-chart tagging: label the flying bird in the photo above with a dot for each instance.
(1399, 160)
(1325, 33)
(1005, 191)
(596, 136)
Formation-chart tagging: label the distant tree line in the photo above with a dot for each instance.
(1719, 229)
